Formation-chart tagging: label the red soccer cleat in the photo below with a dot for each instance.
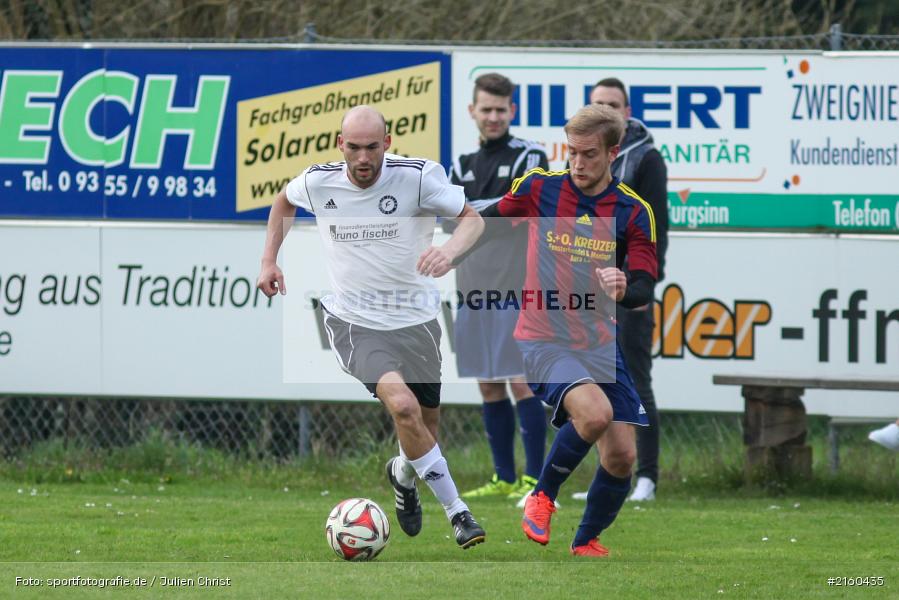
(538, 510)
(592, 548)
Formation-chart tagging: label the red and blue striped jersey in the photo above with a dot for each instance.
(571, 234)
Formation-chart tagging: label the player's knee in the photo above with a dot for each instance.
(619, 461)
(521, 391)
(404, 408)
(595, 423)
(492, 391)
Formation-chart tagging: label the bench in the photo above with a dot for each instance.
(774, 421)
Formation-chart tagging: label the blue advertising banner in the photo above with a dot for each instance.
(204, 134)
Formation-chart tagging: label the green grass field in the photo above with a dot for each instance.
(264, 531)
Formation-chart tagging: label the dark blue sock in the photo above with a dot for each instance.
(566, 453)
(604, 499)
(499, 422)
(532, 425)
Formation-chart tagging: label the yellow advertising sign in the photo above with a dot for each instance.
(280, 135)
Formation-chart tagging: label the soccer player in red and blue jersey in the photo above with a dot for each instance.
(583, 225)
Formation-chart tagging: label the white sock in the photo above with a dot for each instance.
(403, 470)
(433, 470)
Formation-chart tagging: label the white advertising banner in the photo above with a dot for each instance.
(171, 311)
(776, 304)
(751, 140)
(50, 310)
(166, 311)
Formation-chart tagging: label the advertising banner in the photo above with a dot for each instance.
(171, 311)
(751, 140)
(199, 134)
(781, 305)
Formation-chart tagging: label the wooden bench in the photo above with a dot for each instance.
(774, 421)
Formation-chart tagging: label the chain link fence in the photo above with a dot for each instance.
(833, 40)
(254, 429)
(284, 430)
(691, 442)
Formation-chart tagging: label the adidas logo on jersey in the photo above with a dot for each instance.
(469, 176)
(330, 203)
(584, 220)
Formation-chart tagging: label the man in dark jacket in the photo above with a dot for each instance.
(484, 345)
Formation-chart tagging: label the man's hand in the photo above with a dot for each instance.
(436, 261)
(613, 282)
(271, 280)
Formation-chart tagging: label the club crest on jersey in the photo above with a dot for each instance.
(387, 205)
(503, 171)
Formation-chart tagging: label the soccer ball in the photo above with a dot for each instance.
(357, 529)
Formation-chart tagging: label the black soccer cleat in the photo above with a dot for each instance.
(408, 504)
(468, 532)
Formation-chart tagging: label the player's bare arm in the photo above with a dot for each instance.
(271, 279)
(437, 261)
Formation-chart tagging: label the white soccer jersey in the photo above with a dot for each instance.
(374, 236)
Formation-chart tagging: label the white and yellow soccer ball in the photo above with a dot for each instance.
(357, 529)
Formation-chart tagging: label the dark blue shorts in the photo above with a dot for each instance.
(554, 369)
(484, 344)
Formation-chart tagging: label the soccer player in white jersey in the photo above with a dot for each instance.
(376, 214)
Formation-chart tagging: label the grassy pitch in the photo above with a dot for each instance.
(266, 539)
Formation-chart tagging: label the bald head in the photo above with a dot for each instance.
(363, 118)
(363, 140)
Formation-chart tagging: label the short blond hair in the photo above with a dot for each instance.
(597, 119)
